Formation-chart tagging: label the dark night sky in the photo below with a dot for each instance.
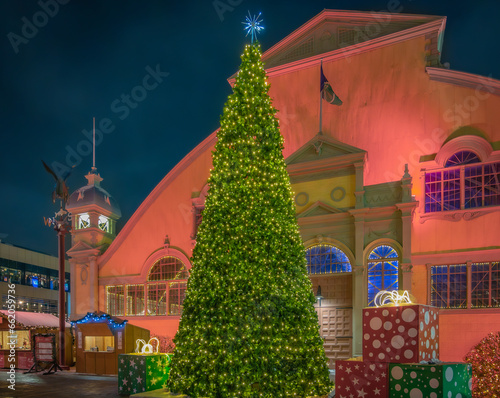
(91, 52)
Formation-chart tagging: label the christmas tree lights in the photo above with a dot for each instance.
(249, 327)
(485, 361)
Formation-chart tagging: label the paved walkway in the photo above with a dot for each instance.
(69, 384)
(61, 384)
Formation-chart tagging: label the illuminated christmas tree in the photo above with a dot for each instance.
(485, 361)
(249, 327)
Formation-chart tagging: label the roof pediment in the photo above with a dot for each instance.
(333, 30)
(319, 209)
(323, 147)
(82, 248)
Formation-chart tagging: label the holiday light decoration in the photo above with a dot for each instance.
(147, 348)
(94, 317)
(249, 327)
(485, 361)
(253, 25)
(393, 297)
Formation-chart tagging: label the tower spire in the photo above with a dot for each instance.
(93, 145)
(93, 177)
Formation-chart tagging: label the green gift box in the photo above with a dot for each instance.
(142, 372)
(444, 380)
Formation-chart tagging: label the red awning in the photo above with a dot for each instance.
(31, 319)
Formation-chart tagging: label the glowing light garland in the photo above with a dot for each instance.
(385, 297)
(93, 317)
(248, 326)
(147, 348)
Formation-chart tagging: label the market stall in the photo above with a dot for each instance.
(27, 325)
(100, 338)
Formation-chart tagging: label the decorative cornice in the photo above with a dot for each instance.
(458, 215)
(464, 79)
(322, 219)
(83, 251)
(321, 206)
(407, 208)
(322, 165)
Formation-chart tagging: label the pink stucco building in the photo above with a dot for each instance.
(398, 188)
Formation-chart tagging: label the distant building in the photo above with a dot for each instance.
(398, 188)
(35, 276)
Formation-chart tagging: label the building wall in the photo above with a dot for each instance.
(27, 294)
(394, 112)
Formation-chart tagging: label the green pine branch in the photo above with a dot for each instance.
(249, 328)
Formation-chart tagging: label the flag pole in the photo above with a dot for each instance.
(320, 100)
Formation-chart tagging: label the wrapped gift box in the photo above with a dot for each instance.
(401, 334)
(361, 379)
(433, 381)
(142, 372)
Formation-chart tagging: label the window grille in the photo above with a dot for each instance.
(462, 187)
(135, 299)
(383, 271)
(450, 285)
(115, 300)
(326, 259)
(162, 294)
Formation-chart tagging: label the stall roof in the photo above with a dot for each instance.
(31, 319)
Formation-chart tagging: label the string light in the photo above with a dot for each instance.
(94, 317)
(249, 327)
(485, 361)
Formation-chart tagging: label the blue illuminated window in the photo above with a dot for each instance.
(383, 271)
(326, 259)
(34, 281)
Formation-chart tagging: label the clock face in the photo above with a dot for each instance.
(104, 223)
(83, 221)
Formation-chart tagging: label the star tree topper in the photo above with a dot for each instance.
(253, 25)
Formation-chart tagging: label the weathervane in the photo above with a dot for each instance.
(252, 25)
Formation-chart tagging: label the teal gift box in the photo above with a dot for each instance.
(142, 372)
(444, 380)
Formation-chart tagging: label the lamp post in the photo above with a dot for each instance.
(318, 295)
(62, 226)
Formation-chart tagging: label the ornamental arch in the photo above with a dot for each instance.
(330, 264)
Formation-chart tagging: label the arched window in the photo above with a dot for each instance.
(383, 266)
(166, 286)
(461, 158)
(468, 180)
(326, 259)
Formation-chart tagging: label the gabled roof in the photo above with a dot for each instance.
(335, 34)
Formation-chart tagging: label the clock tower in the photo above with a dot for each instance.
(94, 215)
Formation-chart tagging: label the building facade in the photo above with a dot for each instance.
(397, 188)
(36, 279)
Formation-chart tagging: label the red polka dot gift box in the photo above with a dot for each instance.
(401, 334)
(361, 379)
